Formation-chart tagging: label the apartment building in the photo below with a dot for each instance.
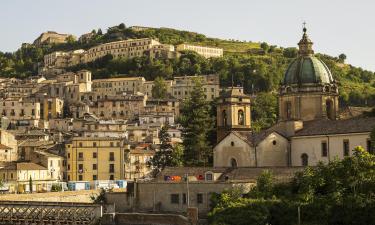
(127, 48)
(119, 107)
(20, 109)
(113, 86)
(71, 86)
(204, 51)
(148, 85)
(184, 85)
(91, 159)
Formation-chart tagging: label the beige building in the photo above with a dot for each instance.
(51, 37)
(113, 86)
(18, 175)
(20, 109)
(119, 107)
(204, 51)
(184, 85)
(127, 48)
(61, 59)
(71, 86)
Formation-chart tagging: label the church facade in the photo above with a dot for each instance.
(308, 130)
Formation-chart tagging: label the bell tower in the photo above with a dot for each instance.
(233, 112)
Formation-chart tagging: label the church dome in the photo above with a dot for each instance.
(306, 68)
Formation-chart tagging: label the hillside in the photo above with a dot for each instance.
(259, 67)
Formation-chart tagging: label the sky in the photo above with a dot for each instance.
(335, 26)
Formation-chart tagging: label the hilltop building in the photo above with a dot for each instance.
(207, 52)
(51, 37)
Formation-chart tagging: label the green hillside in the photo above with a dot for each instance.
(259, 67)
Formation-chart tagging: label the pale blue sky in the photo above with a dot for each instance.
(335, 26)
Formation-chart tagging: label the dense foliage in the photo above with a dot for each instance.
(339, 193)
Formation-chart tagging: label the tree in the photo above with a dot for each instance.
(31, 184)
(166, 156)
(342, 58)
(100, 32)
(196, 122)
(121, 26)
(290, 52)
(159, 90)
(264, 46)
(70, 39)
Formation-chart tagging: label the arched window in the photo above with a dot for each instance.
(305, 159)
(241, 117)
(224, 118)
(233, 163)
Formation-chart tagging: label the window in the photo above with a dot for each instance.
(111, 156)
(94, 177)
(80, 168)
(175, 198)
(111, 168)
(94, 144)
(80, 177)
(324, 149)
(111, 177)
(274, 142)
(199, 198)
(305, 159)
(346, 147)
(232, 143)
(288, 110)
(94, 167)
(80, 144)
(224, 118)
(68, 155)
(111, 144)
(369, 147)
(80, 155)
(208, 176)
(184, 198)
(94, 155)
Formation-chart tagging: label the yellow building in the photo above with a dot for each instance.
(204, 51)
(52, 108)
(104, 158)
(96, 158)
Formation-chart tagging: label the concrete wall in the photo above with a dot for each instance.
(241, 151)
(312, 146)
(273, 151)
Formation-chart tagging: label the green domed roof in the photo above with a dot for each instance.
(307, 70)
